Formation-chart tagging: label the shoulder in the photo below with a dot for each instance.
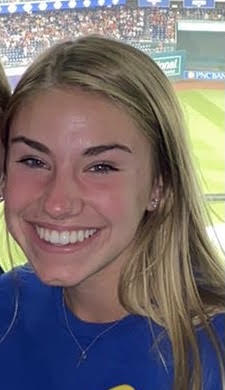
(22, 274)
(217, 325)
(23, 279)
(24, 296)
(20, 283)
(206, 343)
(8, 298)
(208, 351)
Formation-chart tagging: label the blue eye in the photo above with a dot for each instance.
(103, 168)
(32, 162)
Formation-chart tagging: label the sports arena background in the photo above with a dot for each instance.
(186, 39)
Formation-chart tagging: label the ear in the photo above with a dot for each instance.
(156, 194)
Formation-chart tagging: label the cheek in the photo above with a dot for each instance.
(21, 189)
(111, 204)
(119, 202)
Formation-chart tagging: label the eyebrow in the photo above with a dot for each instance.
(33, 144)
(92, 151)
(96, 150)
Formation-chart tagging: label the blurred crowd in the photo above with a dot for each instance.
(23, 36)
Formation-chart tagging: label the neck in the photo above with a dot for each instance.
(93, 304)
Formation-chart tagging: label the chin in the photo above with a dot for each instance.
(59, 277)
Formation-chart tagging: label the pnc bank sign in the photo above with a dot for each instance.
(205, 75)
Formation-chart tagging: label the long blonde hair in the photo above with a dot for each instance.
(174, 277)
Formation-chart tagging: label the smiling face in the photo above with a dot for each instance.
(79, 180)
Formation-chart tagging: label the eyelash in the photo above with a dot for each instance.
(104, 168)
(100, 168)
(32, 162)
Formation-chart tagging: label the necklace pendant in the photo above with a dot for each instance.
(83, 356)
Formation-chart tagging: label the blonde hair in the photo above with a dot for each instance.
(174, 277)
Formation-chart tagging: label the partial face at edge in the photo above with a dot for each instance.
(79, 179)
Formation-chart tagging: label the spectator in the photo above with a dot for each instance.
(24, 36)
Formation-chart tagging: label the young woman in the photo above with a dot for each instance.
(123, 290)
(5, 263)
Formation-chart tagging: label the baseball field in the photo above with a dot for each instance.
(204, 109)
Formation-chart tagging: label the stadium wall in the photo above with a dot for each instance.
(173, 64)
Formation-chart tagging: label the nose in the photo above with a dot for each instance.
(62, 198)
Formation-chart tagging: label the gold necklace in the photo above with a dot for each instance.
(83, 351)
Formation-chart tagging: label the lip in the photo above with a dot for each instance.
(61, 228)
(66, 249)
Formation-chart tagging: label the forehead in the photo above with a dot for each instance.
(75, 117)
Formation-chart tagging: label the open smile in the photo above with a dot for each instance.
(62, 238)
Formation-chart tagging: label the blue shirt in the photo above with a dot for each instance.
(39, 353)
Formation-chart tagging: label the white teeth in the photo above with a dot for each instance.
(46, 235)
(65, 237)
(73, 237)
(80, 235)
(54, 237)
(42, 232)
(87, 233)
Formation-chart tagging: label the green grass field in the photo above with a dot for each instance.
(205, 116)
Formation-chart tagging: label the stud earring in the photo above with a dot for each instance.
(155, 203)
